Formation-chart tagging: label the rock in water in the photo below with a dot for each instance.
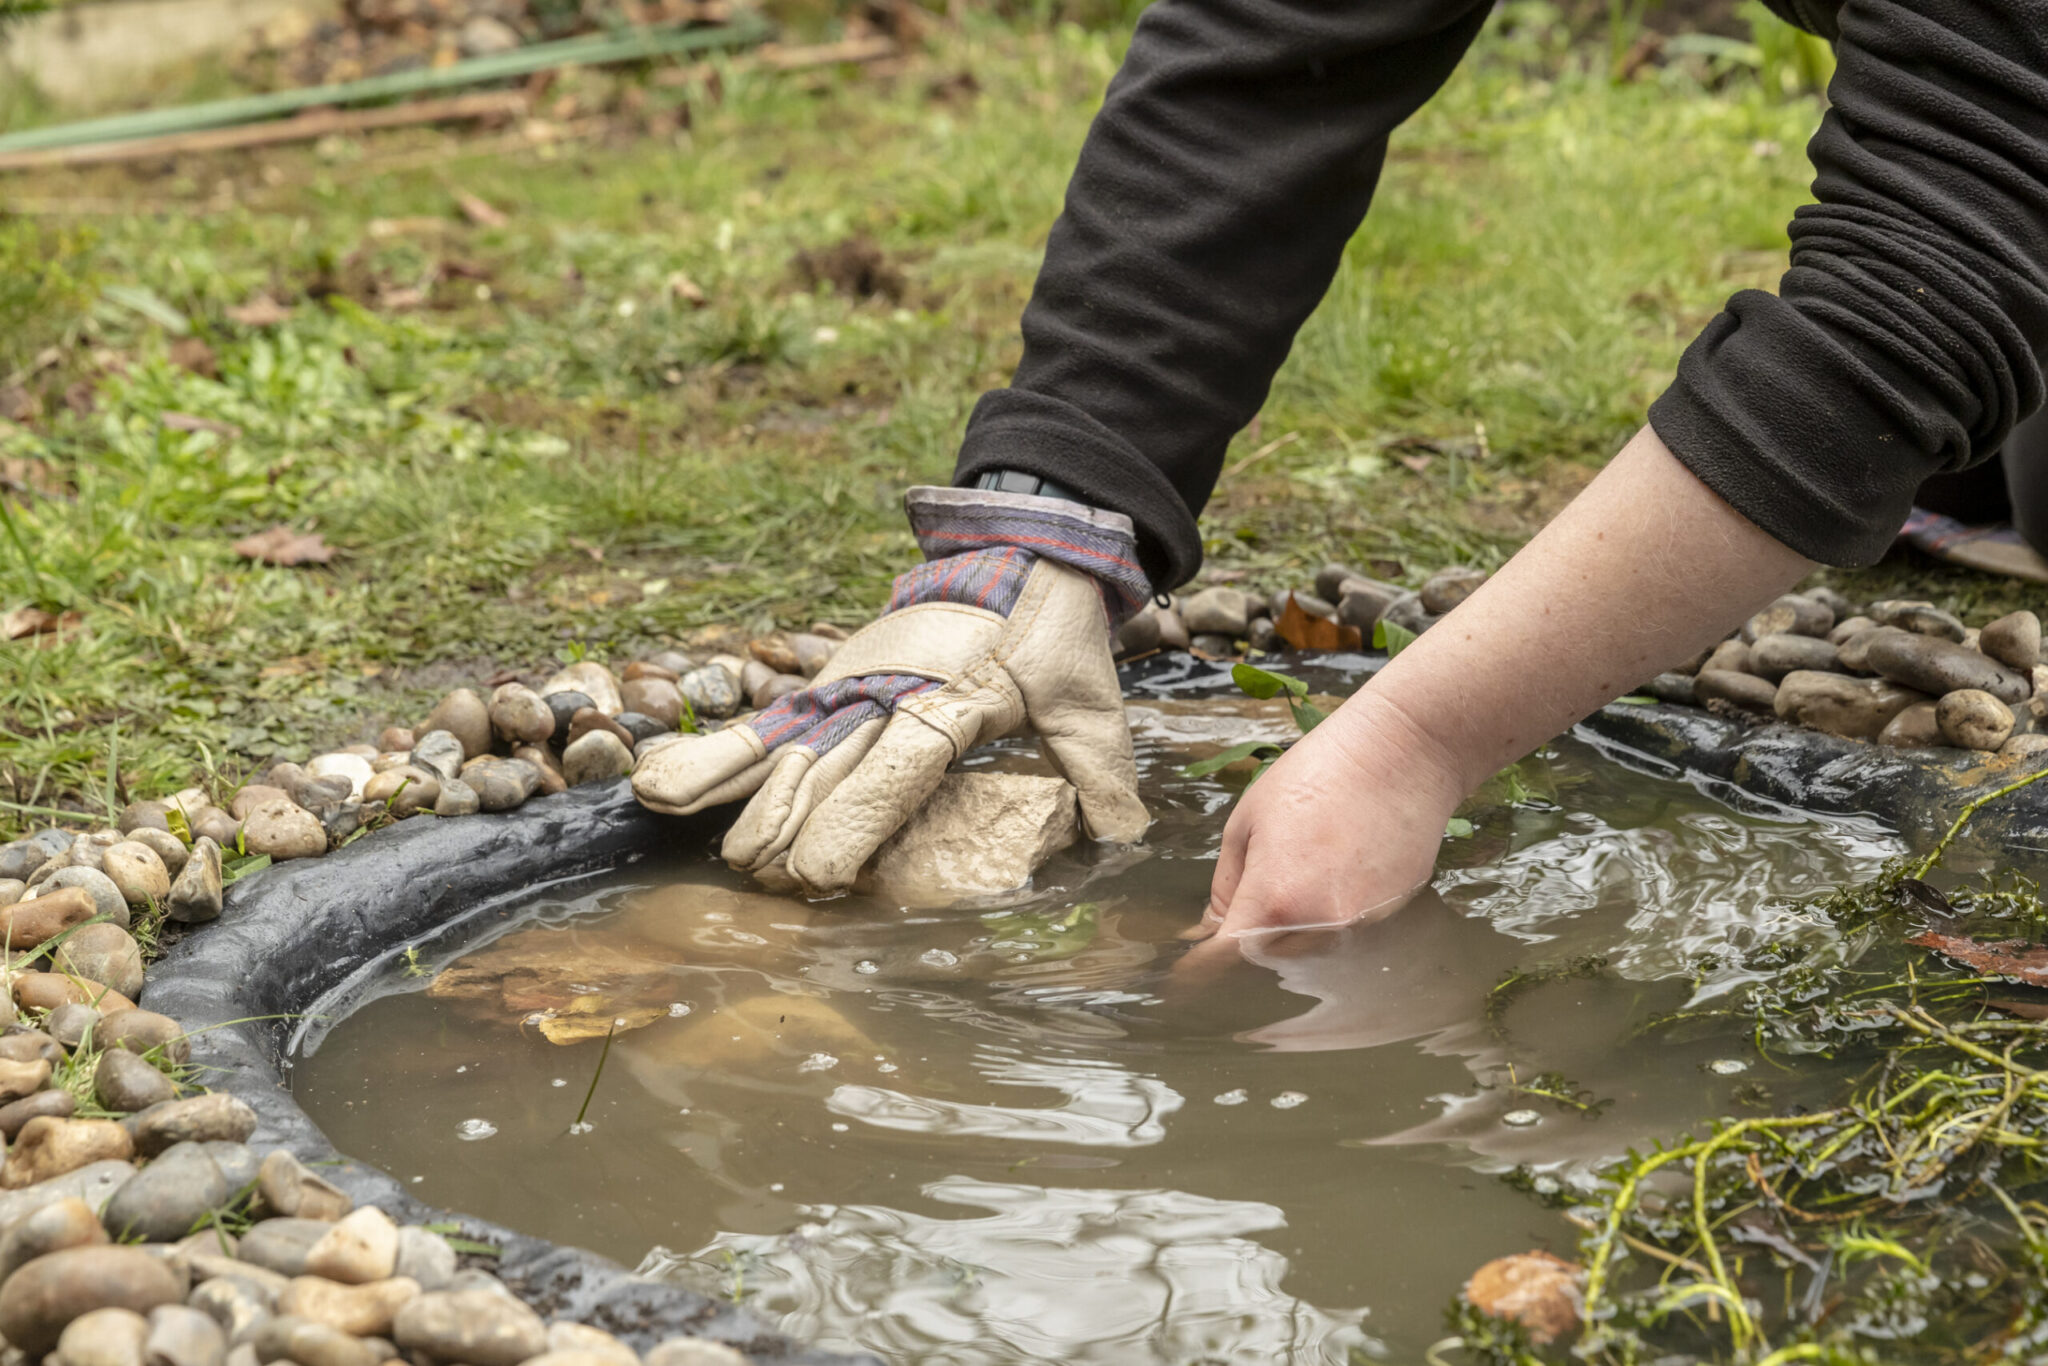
(40, 1299)
(476, 1327)
(1539, 1291)
(284, 830)
(1938, 667)
(462, 714)
(978, 833)
(2014, 640)
(197, 895)
(593, 680)
(1973, 719)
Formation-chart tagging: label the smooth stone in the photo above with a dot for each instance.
(1917, 617)
(1845, 627)
(216, 1117)
(546, 765)
(712, 691)
(591, 719)
(441, 753)
(183, 1336)
(1973, 719)
(235, 1302)
(361, 1247)
(37, 1301)
(20, 858)
(1856, 707)
(238, 1162)
(65, 1222)
(638, 727)
(21, 1079)
(457, 798)
(144, 1031)
(675, 661)
(1854, 653)
(1173, 632)
(505, 784)
(287, 1188)
(2014, 640)
(304, 1343)
(2024, 746)
(579, 1356)
(1364, 603)
(253, 796)
(361, 1311)
(282, 1245)
(655, 697)
(1674, 688)
(26, 1044)
(641, 668)
(425, 1258)
(476, 1278)
(1138, 635)
(1746, 691)
(137, 872)
(217, 825)
(1217, 611)
(56, 1104)
(1329, 580)
(1938, 667)
(1792, 614)
(52, 839)
(694, 1352)
(591, 679)
(198, 894)
(564, 706)
(475, 1327)
(773, 652)
(352, 768)
(29, 924)
(1408, 613)
(732, 664)
(70, 1024)
(977, 833)
(144, 815)
(284, 830)
(322, 796)
(1276, 604)
(1215, 646)
(1447, 588)
(1780, 653)
(1262, 634)
(405, 790)
(104, 1337)
(813, 652)
(48, 990)
(521, 716)
(165, 846)
(103, 953)
(176, 1190)
(395, 738)
(12, 889)
(1915, 727)
(124, 1083)
(581, 1337)
(465, 716)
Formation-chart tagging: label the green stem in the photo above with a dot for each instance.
(584, 1109)
(1941, 846)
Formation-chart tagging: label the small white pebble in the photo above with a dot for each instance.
(1727, 1067)
(1237, 1097)
(559, 1081)
(678, 1009)
(818, 1062)
(1520, 1119)
(1287, 1100)
(470, 1130)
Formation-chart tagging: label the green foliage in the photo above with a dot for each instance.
(1042, 937)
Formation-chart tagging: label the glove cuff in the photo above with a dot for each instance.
(1101, 544)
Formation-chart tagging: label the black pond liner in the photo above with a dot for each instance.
(302, 936)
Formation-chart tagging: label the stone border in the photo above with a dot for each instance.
(295, 933)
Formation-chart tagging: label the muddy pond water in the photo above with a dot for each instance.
(1003, 1134)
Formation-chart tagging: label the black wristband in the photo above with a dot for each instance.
(1016, 481)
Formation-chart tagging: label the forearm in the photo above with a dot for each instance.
(1645, 568)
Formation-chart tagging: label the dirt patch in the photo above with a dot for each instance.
(855, 267)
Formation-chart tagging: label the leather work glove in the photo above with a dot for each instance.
(1008, 622)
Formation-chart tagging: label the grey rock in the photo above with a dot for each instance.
(1139, 634)
(287, 1188)
(521, 716)
(1833, 599)
(166, 846)
(408, 789)
(235, 1304)
(197, 895)
(237, 1161)
(1744, 691)
(107, 899)
(1408, 613)
(1217, 612)
(1845, 627)
(1729, 657)
(597, 757)
(144, 815)
(41, 1299)
(425, 1257)
(12, 889)
(1330, 580)
(69, 1024)
(977, 833)
(104, 1337)
(813, 652)
(106, 954)
(216, 825)
(1918, 617)
(216, 1117)
(323, 796)
(505, 784)
(564, 705)
(1937, 667)
(19, 859)
(1674, 688)
(353, 769)
(591, 679)
(1364, 603)
(2025, 747)
(1854, 653)
(165, 1199)
(1973, 719)
(1217, 647)
(694, 1352)
(1315, 606)
(93, 1183)
(711, 691)
(641, 726)
(1840, 705)
(1262, 634)
(2014, 640)
(1173, 632)
(52, 839)
(457, 798)
(281, 1245)
(474, 1327)
(1793, 615)
(182, 1336)
(1447, 588)
(1915, 727)
(440, 753)
(54, 1103)
(463, 715)
(1779, 653)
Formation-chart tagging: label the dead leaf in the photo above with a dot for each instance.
(282, 546)
(260, 311)
(1419, 464)
(1305, 632)
(684, 290)
(566, 985)
(194, 355)
(31, 474)
(479, 212)
(451, 268)
(23, 622)
(192, 422)
(1535, 1289)
(2014, 958)
(381, 228)
(401, 299)
(2025, 1010)
(17, 404)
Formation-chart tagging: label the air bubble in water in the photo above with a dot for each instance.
(939, 958)
(867, 967)
(470, 1130)
(559, 1081)
(1520, 1119)
(1237, 1097)
(1546, 1184)
(1727, 1067)
(818, 1062)
(1287, 1100)
(677, 1009)
(583, 1128)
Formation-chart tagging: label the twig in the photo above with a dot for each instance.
(1962, 818)
(584, 1109)
(1261, 453)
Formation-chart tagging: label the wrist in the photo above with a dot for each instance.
(1396, 747)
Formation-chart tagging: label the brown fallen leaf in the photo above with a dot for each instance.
(684, 290)
(23, 622)
(1535, 1289)
(194, 355)
(282, 546)
(2025, 1010)
(192, 422)
(478, 211)
(260, 311)
(569, 987)
(2014, 958)
(1305, 632)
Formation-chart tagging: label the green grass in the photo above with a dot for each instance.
(557, 453)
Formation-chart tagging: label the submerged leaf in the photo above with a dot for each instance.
(1250, 749)
(2013, 958)
(1305, 632)
(1539, 1291)
(1390, 637)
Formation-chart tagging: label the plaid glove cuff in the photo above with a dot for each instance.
(981, 544)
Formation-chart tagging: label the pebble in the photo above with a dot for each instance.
(478, 1328)
(1913, 728)
(675, 661)
(544, 763)
(285, 1338)
(463, 715)
(19, 1079)
(579, 1337)
(1215, 646)
(813, 652)
(656, 698)
(287, 1188)
(1408, 613)
(19, 858)
(1938, 666)
(591, 719)
(27, 924)
(237, 1304)
(1972, 719)
(1447, 588)
(521, 716)
(1675, 688)
(2014, 640)
(579, 1356)
(1746, 691)
(24, 1044)
(359, 1310)
(321, 796)
(1276, 604)
(408, 789)
(69, 1024)
(505, 784)
(145, 1031)
(1173, 632)
(197, 895)
(1364, 603)
(352, 768)
(124, 1083)
(216, 1117)
(137, 872)
(182, 1336)
(12, 889)
(1856, 707)
(1917, 617)
(217, 825)
(103, 953)
(694, 1352)
(1262, 634)
(441, 753)
(1730, 656)
(1846, 627)
(253, 796)
(711, 691)
(48, 990)
(281, 1245)
(638, 727)
(57, 1104)
(1217, 611)
(591, 679)
(362, 1247)
(775, 652)
(2025, 746)
(284, 830)
(1792, 614)
(641, 668)
(141, 815)
(165, 846)
(564, 706)
(104, 1337)
(63, 1223)
(1139, 635)
(1780, 653)
(425, 1258)
(179, 1187)
(457, 798)
(39, 1300)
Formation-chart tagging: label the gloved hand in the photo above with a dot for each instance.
(1008, 622)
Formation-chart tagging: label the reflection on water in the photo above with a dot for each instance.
(1009, 1134)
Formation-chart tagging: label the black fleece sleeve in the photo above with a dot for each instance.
(1234, 156)
(1907, 337)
